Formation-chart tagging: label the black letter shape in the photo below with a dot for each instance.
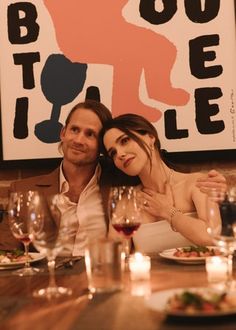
(27, 60)
(20, 130)
(195, 14)
(148, 12)
(204, 110)
(93, 93)
(171, 130)
(197, 57)
(61, 81)
(28, 21)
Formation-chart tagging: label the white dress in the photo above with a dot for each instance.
(158, 236)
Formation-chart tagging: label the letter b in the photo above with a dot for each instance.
(15, 22)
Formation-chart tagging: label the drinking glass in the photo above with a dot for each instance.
(221, 223)
(124, 214)
(49, 232)
(18, 217)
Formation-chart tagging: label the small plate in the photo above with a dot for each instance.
(158, 302)
(17, 264)
(169, 254)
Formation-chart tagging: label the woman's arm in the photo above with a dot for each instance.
(194, 229)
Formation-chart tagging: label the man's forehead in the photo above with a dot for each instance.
(85, 117)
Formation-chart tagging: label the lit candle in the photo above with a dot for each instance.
(139, 266)
(140, 288)
(217, 269)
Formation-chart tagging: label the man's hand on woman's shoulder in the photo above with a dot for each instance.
(212, 179)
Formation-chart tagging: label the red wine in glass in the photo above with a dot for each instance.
(127, 229)
(25, 239)
(124, 213)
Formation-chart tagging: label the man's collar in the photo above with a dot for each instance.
(64, 185)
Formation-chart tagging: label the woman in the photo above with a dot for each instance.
(173, 208)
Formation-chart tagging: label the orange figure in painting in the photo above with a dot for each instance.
(95, 32)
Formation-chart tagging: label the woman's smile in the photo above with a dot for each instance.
(128, 161)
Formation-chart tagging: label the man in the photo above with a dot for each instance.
(78, 177)
(83, 178)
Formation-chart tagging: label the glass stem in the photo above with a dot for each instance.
(126, 247)
(51, 268)
(229, 268)
(27, 264)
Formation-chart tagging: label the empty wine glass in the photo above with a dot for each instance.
(49, 232)
(18, 216)
(124, 213)
(221, 223)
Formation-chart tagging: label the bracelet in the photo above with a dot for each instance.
(172, 215)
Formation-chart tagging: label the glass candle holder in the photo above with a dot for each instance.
(218, 269)
(141, 288)
(139, 266)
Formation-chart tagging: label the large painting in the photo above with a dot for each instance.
(172, 61)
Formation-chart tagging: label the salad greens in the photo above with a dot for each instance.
(14, 253)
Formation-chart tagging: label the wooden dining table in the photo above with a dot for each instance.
(121, 310)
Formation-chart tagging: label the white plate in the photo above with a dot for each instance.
(169, 254)
(158, 302)
(34, 255)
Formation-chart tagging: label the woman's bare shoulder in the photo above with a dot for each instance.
(185, 178)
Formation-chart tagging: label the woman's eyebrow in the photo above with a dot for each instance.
(120, 137)
(116, 141)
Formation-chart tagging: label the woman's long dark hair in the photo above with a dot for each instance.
(130, 123)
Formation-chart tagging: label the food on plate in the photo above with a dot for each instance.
(7, 257)
(196, 251)
(191, 302)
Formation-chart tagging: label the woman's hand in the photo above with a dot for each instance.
(156, 204)
(212, 180)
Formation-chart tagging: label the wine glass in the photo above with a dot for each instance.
(221, 223)
(49, 232)
(124, 213)
(18, 217)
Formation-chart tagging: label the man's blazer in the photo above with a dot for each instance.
(49, 184)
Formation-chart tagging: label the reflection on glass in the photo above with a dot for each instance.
(18, 216)
(49, 233)
(221, 217)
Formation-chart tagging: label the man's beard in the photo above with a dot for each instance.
(84, 162)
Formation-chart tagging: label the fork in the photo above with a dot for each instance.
(68, 262)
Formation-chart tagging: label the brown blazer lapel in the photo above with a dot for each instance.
(47, 184)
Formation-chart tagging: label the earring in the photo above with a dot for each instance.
(151, 147)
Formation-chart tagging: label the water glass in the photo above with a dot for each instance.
(104, 265)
